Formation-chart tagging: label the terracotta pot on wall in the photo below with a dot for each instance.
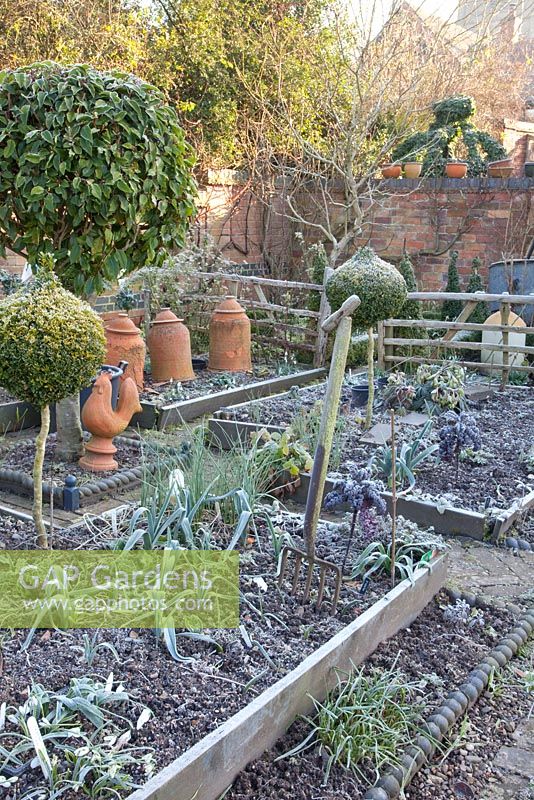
(169, 344)
(456, 169)
(500, 169)
(391, 170)
(125, 344)
(412, 169)
(230, 337)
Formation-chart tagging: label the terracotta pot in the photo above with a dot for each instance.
(104, 423)
(230, 338)
(125, 344)
(391, 170)
(456, 169)
(412, 169)
(500, 169)
(169, 344)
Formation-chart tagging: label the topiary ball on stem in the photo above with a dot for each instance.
(382, 291)
(51, 346)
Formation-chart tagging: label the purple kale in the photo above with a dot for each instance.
(459, 432)
(358, 489)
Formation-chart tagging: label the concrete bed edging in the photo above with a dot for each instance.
(206, 769)
(451, 521)
(188, 410)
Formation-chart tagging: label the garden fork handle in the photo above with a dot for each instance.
(341, 320)
(346, 310)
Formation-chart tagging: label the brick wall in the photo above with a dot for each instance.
(482, 217)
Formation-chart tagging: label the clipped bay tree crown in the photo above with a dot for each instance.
(379, 285)
(51, 342)
(94, 168)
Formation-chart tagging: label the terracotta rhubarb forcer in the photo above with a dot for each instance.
(125, 344)
(103, 423)
(230, 337)
(170, 348)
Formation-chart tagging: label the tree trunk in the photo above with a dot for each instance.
(69, 445)
(40, 444)
(370, 377)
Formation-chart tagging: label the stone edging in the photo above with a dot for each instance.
(210, 766)
(456, 704)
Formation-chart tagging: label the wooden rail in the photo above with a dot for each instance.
(279, 310)
(389, 338)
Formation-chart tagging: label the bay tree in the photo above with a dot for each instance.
(94, 169)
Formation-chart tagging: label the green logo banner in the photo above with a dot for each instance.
(119, 589)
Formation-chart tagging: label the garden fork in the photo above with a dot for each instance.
(306, 560)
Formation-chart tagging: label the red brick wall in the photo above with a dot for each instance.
(487, 218)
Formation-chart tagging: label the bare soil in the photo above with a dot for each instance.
(19, 454)
(438, 655)
(505, 421)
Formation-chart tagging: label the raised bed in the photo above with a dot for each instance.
(15, 415)
(450, 520)
(209, 767)
(158, 416)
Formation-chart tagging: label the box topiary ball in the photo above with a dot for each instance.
(379, 285)
(51, 343)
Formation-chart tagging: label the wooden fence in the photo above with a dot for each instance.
(279, 311)
(389, 338)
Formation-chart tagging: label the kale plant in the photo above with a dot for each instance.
(362, 492)
(458, 433)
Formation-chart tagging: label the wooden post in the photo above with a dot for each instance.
(388, 348)
(233, 287)
(380, 346)
(319, 357)
(505, 315)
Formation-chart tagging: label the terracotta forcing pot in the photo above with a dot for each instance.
(456, 169)
(230, 337)
(126, 344)
(412, 169)
(391, 170)
(169, 344)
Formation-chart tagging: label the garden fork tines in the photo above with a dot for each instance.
(302, 559)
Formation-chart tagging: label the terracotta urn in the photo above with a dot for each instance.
(391, 170)
(456, 169)
(103, 423)
(169, 344)
(126, 344)
(230, 337)
(412, 169)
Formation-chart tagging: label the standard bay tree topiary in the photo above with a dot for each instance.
(51, 345)
(95, 169)
(382, 291)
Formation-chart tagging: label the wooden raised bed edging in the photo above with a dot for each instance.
(16, 415)
(450, 521)
(205, 770)
(188, 410)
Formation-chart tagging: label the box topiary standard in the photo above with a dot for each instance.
(51, 346)
(382, 291)
(95, 169)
